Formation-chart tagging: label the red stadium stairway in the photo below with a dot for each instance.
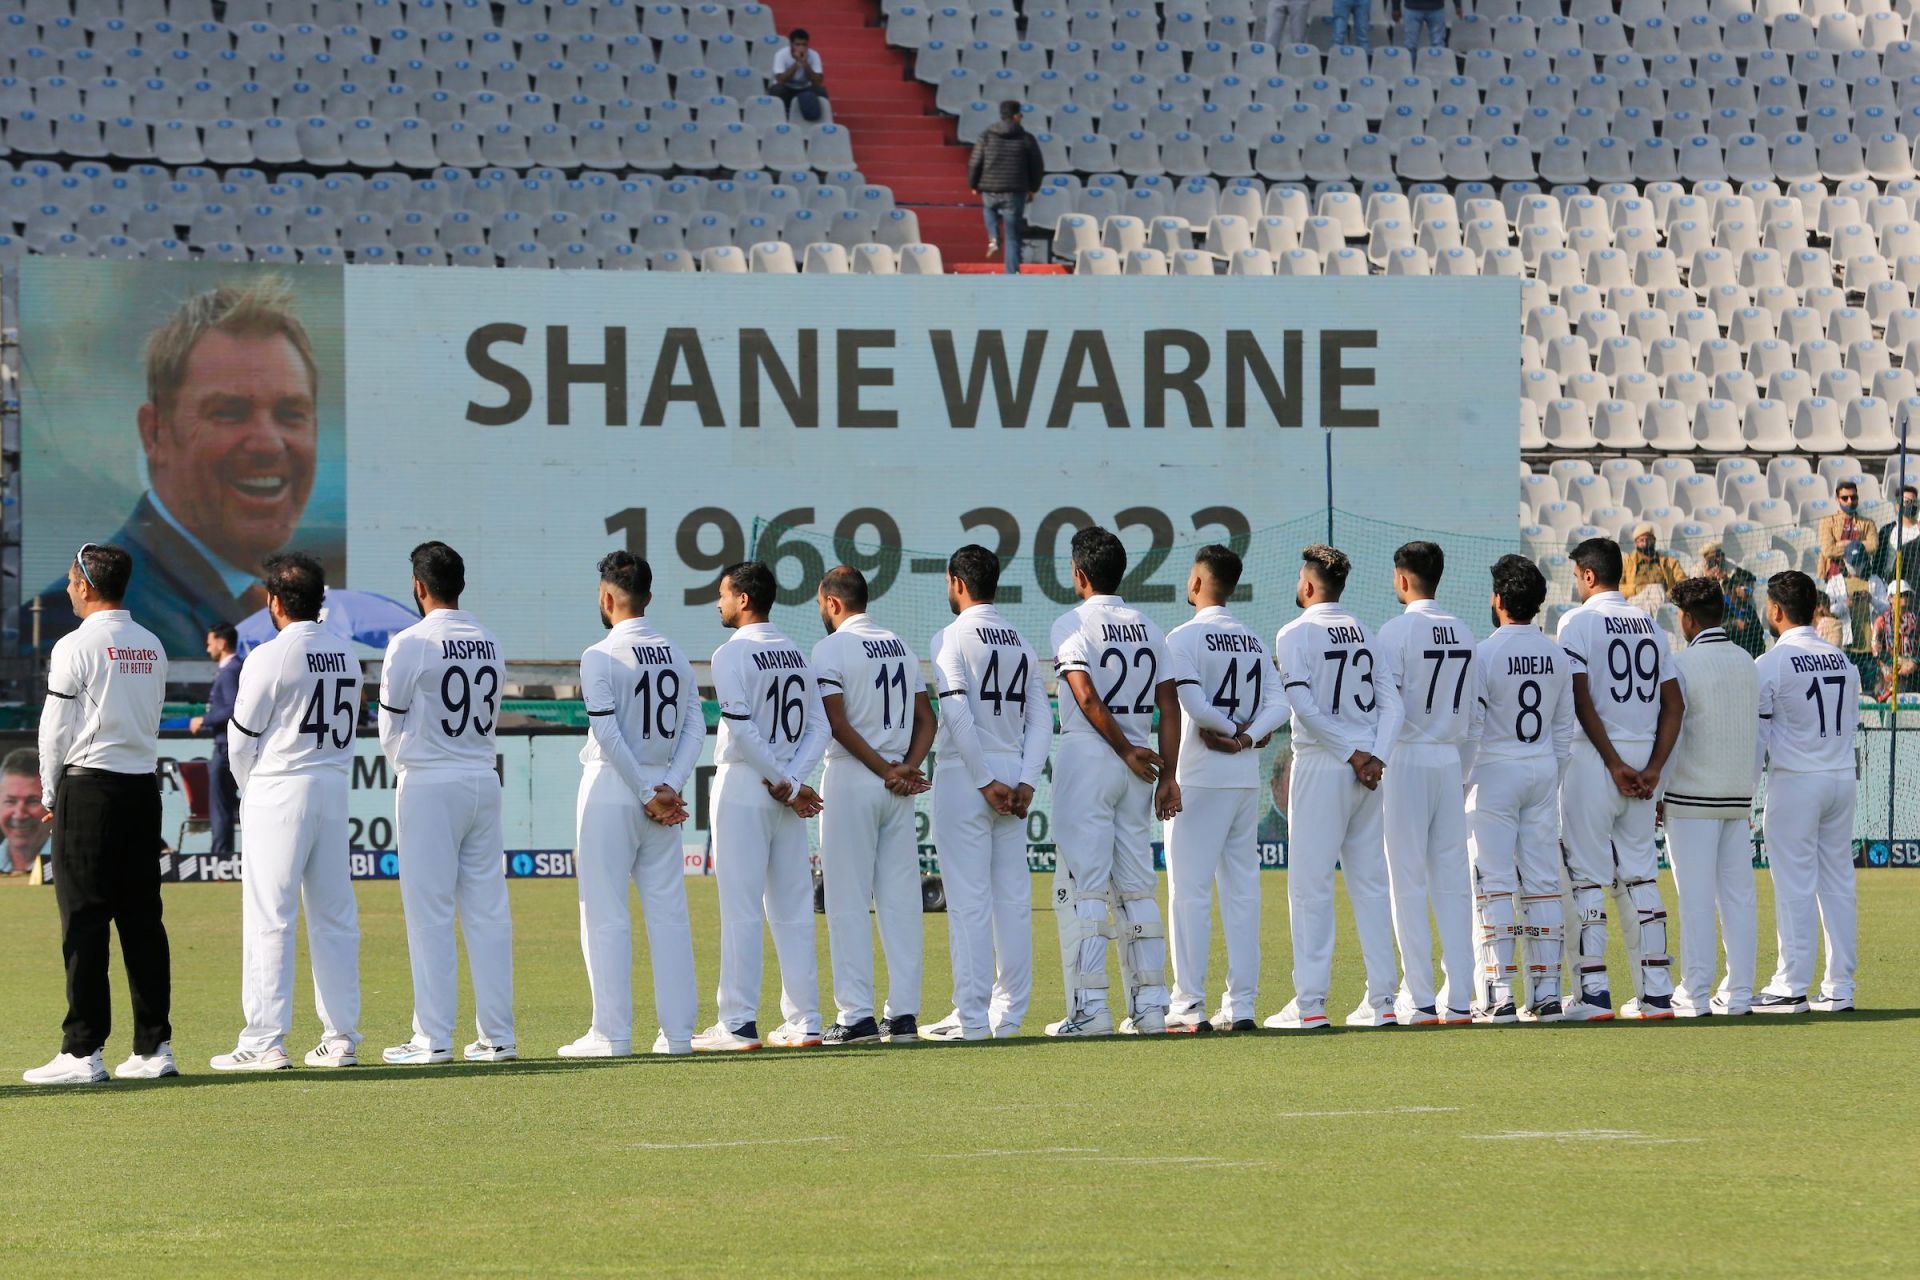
(899, 141)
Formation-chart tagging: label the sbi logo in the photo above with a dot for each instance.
(1878, 854)
(389, 864)
(522, 864)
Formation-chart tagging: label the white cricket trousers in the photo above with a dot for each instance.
(295, 854)
(1713, 873)
(1809, 830)
(1334, 821)
(616, 844)
(1103, 829)
(760, 862)
(1212, 844)
(1513, 846)
(1424, 807)
(452, 855)
(1609, 843)
(983, 867)
(870, 857)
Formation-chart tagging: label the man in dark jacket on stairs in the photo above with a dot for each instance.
(1006, 169)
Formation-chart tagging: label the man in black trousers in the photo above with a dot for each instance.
(223, 646)
(99, 743)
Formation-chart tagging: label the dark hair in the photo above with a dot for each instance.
(1009, 108)
(108, 570)
(1700, 599)
(1601, 558)
(752, 579)
(226, 633)
(297, 581)
(1222, 564)
(1424, 562)
(1795, 593)
(799, 33)
(1908, 488)
(21, 762)
(847, 585)
(1100, 555)
(1521, 586)
(439, 569)
(628, 574)
(1847, 482)
(978, 570)
(1329, 568)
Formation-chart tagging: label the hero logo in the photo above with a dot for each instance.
(207, 868)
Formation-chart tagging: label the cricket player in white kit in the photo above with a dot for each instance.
(1708, 804)
(645, 734)
(1629, 705)
(291, 742)
(439, 703)
(996, 727)
(1107, 788)
(1229, 702)
(875, 700)
(1425, 673)
(1327, 671)
(1518, 738)
(1809, 710)
(772, 733)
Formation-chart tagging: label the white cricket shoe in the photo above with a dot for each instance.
(1088, 1022)
(720, 1038)
(949, 1031)
(1006, 1031)
(1374, 1015)
(671, 1048)
(482, 1051)
(1830, 1004)
(791, 1036)
(69, 1068)
(1151, 1023)
(1588, 1006)
(1189, 1022)
(1724, 1008)
(334, 1053)
(1294, 1018)
(274, 1059)
(152, 1066)
(1500, 1015)
(595, 1045)
(414, 1054)
(1646, 1009)
(1544, 1011)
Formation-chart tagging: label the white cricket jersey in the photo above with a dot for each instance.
(440, 694)
(877, 678)
(1522, 697)
(1327, 673)
(643, 709)
(106, 681)
(994, 718)
(298, 702)
(1425, 677)
(1625, 659)
(1125, 655)
(770, 714)
(1228, 684)
(1809, 704)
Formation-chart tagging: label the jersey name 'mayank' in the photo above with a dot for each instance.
(1130, 632)
(1818, 662)
(884, 648)
(324, 663)
(779, 659)
(1629, 626)
(1006, 637)
(463, 650)
(1233, 642)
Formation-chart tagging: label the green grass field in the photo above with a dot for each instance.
(1751, 1147)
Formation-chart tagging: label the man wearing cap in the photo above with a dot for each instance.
(1646, 568)
(1742, 624)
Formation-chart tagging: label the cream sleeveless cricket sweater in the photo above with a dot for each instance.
(1711, 773)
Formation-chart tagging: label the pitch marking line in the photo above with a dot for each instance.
(1632, 1137)
(743, 1142)
(1383, 1111)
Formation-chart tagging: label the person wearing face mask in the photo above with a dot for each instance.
(1843, 527)
(1649, 572)
(1900, 541)
(1897, 649)
(1742, 622)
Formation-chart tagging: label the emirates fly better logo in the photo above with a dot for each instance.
(137, 662)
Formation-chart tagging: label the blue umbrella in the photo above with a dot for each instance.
(361, 616)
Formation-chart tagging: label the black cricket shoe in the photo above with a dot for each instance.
(1780, 1004)
(865, 1031)
(900, 1030)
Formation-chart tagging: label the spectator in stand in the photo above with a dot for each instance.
(1843, 527)
(798, 76)
(1647, 569)
(1287, 21)
(1900, 538)
(1898, 662)
(1353, 23)
(1858, 596)
(23, 819)
(1006, 169)
(223, 646)
(1423, 16)
(1826, 625)
(1742, 623)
